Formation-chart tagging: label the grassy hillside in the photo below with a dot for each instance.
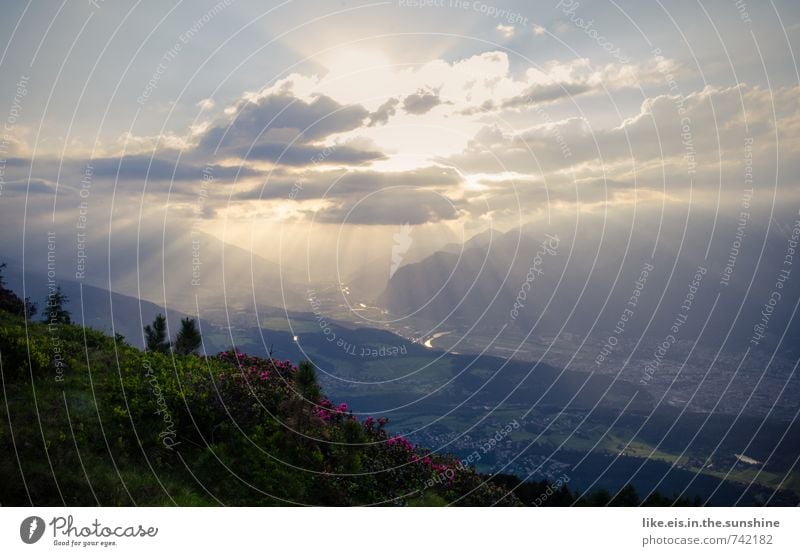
(88, 420)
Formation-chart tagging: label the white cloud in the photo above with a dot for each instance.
(506, 30)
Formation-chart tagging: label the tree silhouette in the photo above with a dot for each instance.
(9, 301)
(188, 338)
(156, 335)
(600, 497)
(627, 497)
(54, 311)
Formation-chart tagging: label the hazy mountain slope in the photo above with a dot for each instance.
(98, 308)
(178, 267)
(594, 272)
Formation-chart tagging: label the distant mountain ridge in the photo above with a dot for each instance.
(584, 288)
(181, 268)
(95, 307)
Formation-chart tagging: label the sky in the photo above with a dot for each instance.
(323, 128)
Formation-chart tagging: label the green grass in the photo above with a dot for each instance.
(241, 436)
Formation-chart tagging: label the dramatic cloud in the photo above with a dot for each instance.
(495, 141)
(262, 128)
(670, 140)
(372, 116)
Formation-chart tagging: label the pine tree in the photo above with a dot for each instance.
(188, 338)
(156, 335)
(307, 382)
(54, 311)
(30, 308)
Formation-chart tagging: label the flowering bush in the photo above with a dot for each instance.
(360, 457)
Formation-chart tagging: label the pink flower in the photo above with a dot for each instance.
(395, 440)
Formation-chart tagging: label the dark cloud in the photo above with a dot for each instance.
(391, 207)
(281, 118)
(278, 128)
(306, 155)
(384, 112)
(30, 187)
(421, 102)
(545, 93)
(140, 167)
(532, 95)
